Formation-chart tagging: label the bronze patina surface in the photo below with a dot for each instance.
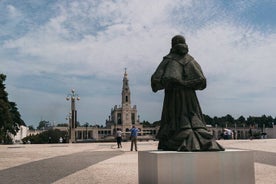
(182, 123)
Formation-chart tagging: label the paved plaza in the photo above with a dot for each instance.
(98, 163)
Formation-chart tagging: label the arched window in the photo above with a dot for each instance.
(126, 98)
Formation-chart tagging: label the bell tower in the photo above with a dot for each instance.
(124, 116)
(125, 92)
(126, 101)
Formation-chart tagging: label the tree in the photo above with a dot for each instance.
(62, 125)
(250, 120)
(43, 125)
(208, 120)
(156, 123)
(146, 124)
(10, 118)
(31, 127)
(16, 118)
(265, 121)
(241, 119)
(229, 118)
(49, 136)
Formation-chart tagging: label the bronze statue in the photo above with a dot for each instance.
(182, 123)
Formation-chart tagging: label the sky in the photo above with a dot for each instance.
(49, 47)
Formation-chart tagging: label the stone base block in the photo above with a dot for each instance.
(171, 167)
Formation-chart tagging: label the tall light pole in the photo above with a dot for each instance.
(73, 123)
(68, 117)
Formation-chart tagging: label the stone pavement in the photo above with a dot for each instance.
(100, 163)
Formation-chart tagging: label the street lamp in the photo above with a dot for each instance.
(73, 123)
(216, 125)
(86, 125)
(69, 118)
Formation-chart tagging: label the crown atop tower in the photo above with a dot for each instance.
(125, 75)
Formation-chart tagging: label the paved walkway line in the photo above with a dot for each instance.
(264, 157)
(52, 169)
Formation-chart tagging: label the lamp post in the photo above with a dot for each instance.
(68, 117)
(216, 125)
(73, 120)
(86, 126)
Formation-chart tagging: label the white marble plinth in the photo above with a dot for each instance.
(171, 167)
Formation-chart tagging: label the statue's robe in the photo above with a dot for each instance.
(182, 123)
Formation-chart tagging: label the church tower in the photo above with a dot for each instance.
(127, 117)
(124, 116)
(125, 92)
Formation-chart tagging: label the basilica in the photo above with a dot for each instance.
(122, 116)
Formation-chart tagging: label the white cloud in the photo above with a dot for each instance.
(87, 45)
(13, 12)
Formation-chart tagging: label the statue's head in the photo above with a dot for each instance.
(179, 45)
(177, 40)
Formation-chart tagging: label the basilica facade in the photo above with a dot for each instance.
(124, 116)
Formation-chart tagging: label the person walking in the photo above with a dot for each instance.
(133, 136)
(119, 138)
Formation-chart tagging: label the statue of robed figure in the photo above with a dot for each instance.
(182, 124)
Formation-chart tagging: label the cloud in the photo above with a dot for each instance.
(13, 12)
(87, 44)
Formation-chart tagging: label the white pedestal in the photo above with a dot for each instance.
(171, 167)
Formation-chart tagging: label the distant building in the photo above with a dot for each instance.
(124, 116)
(23, 132)
(243, 132)
(271, 132)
